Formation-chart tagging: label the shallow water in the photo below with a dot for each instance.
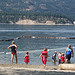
(35, 45)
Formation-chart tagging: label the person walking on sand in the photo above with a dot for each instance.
(44, 55)
(13, 49)
(59, 57)
(26, 59)
(69, 53)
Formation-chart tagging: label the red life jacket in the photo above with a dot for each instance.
(44, 52)
(44, 55)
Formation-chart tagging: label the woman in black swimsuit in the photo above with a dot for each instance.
(13, 49)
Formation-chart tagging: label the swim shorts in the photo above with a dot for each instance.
(13, 53)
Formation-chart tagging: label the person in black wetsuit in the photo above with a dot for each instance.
(13, 49)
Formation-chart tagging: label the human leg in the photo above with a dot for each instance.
(68, 57)
(54, 60)
(59, 61)
(26, 62)
(12, 58)
(66, 60)
(16, 57)
(44, 64)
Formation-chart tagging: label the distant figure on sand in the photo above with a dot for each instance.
(54, 57)
(68, 53)
(59, 57)
(44, 55)
(13, 49)
(62, 58)
(26, 59)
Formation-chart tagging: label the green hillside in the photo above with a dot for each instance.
(65, 7)
(38, 17)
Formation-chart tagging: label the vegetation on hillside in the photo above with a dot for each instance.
(65, 7)
(38, 17)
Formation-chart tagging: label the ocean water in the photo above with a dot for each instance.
(35, 45)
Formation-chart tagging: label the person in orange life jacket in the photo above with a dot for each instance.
(13, 49)
(44, 55)
(69, 53)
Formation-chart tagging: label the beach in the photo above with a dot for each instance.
(34, 46)
(23, 69)
(27, 67)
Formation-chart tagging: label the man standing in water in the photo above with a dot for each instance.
(13, 49)
(68, 53)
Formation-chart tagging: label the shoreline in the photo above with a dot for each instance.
(25, 66)
(23, 69)
(32, 67)
(38, 24)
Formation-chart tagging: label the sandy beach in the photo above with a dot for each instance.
(28, 67)
(22, 69)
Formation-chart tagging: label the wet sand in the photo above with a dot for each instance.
(24, 66)
(22, 69)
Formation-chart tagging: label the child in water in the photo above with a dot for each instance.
(26, 59)
(59, 57)
(44, 55)
(54, 57)
(62, 58)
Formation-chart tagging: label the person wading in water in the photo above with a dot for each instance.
(44, 55)
(68, 53)
(13, 49)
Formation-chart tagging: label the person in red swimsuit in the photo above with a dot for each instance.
(62, 58)
(26, 59)
(44, 55)
(13, 49)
